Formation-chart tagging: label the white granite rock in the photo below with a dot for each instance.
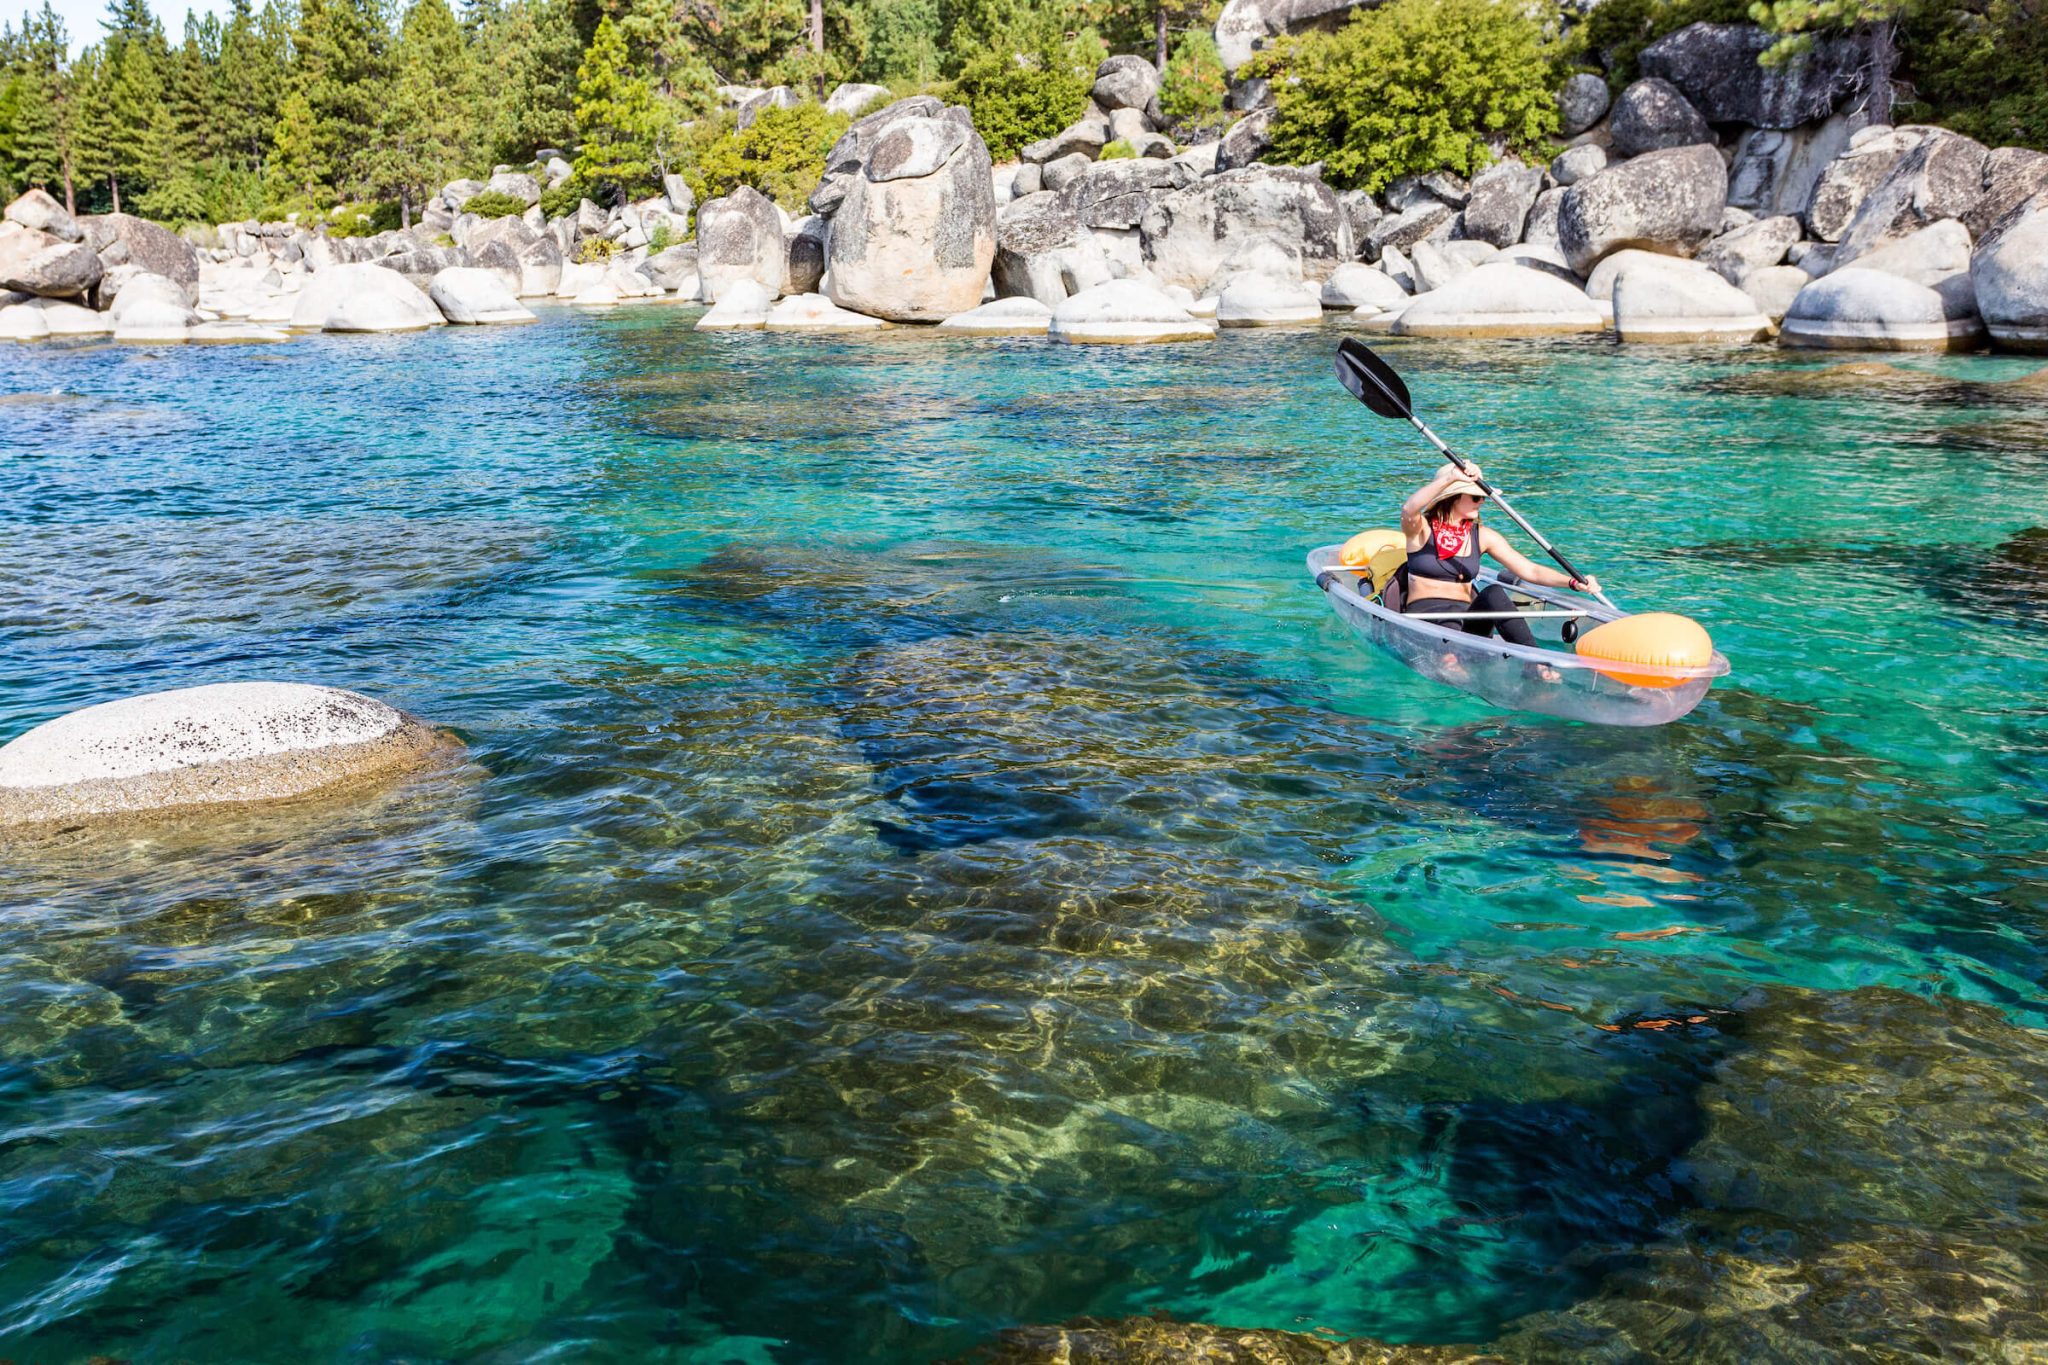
(228, 742)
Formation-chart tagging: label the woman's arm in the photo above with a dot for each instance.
(1425, 497)
(1528, 570)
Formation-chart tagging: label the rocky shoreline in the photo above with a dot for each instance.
(1711, 201)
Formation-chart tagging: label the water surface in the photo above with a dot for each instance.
(929, 861)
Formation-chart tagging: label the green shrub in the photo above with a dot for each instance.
(662, 238)
(1617, 31)
(363, 220)
(491, 204)
(596, 250)
(1014, 104)
(1412, 87)
(1192, 88)
(781, 154)
(1118, 150)
(1976, 66)
(561, 201)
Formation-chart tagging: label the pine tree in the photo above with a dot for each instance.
(616, 117)
(132, 110)
(297, 170)
(43, 124)
(425, 141)
(531, 50)
(341, 52)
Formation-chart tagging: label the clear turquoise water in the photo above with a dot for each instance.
(929, 862)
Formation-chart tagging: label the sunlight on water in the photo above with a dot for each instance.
(928, 860)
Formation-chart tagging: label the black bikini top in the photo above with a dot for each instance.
(1451, 555)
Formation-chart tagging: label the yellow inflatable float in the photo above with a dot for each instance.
(1661, 639)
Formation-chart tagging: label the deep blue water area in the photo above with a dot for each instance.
(928, 861)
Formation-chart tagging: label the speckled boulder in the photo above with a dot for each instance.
(739, 237)
(1668, 201)
(198, 746)
(915, 236)
(1652, 115)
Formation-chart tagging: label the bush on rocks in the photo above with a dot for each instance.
(781, 153)
(1193, 87)
(491, 204)
(1019, 101)
(1412, 87)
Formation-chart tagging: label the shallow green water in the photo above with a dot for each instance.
(929, 861)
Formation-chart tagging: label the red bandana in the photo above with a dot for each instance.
(1452, 541)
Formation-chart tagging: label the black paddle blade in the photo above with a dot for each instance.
(1371, 380)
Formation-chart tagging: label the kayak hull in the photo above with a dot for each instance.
(1547, 681)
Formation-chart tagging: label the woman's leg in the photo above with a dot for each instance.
(1514, 631)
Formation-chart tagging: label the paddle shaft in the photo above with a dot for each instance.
(1483, 615)
(1507, 507)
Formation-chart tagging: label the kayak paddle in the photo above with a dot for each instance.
(1373, 382)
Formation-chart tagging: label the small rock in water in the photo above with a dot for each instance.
(227, 742)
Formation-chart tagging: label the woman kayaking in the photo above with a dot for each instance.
(1445, 541)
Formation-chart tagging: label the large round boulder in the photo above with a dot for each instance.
(37, 209)
(1582, 102)
(1717, 69)
(1190, 235)
(1500, 299)
(816, 313)
(1941, 177)
(739, 237)
(1871, 310)
(1651, 115)
(36, 262)
(124, 239)
(915, 236)
(1126, 312)
(2011, 279)
(1013, 317)
(1356, 285)
(197, 746)
(744, 308)
(1044, 252)
(1691, 306)
(362, 298)
(475, 296)
(1668, 201)
(1264, 300)
(1502, 196)
(1125, 83)
(1842, 186)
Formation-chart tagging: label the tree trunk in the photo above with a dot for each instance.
(818, 26)
(114, 184)
(404, 209)
(70, 199)
(1884, 59)
(1159, 38)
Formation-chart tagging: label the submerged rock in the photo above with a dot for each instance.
(227, 742)
(1161, 1341)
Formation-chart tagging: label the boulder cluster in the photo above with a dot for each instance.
(1713, 200)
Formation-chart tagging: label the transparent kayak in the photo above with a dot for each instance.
(1551, 680)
